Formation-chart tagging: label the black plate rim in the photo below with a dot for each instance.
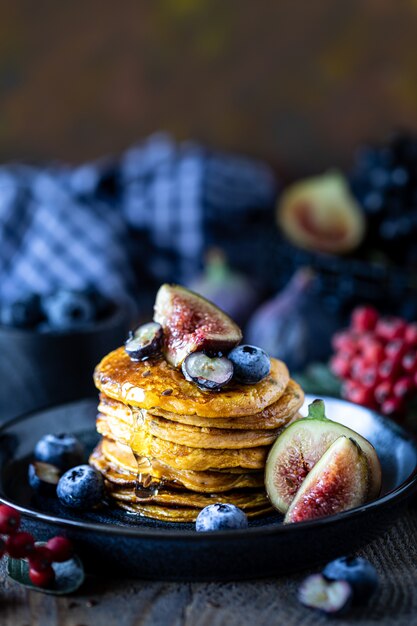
(403, 491)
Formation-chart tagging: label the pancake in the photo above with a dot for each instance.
(181, 456)
(177, 513)
(120, 466)
(272, 417)
(155, 383)
(192, 436)
(168, 501)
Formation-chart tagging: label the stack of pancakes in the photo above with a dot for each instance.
(169, 449)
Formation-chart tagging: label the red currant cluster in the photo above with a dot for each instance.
(21, 545)
(376, 357)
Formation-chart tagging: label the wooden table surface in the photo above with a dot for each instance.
(107, 602)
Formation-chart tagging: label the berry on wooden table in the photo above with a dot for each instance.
(9, 520)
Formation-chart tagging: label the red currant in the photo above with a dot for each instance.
(393, 407)
(360, 395)
(344, 340)
(395, 349)
(373, 351)
(390, 328)
(383, 391)
(41, 558)
(403, 387)
(340, 366)
(364, 318)
(370, 377)
(20, 545)
(61, 549)
(44, 578)
(411, 334)
(358, 368)
(388, 369)
(409, 362)
(9, 520)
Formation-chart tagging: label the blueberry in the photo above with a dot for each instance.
(67, 309)
(24, 313)
(62, 450)
(220, 517)
(251, 364)
(359, 573)
(82, 487)
(43, 477)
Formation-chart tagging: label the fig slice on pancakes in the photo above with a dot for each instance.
(191, 323)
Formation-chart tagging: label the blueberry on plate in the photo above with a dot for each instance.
(62, 450)
(43, 478)
(220, 517)
(67, 309)
(24, 313)
(251, 364)
(81, 487)
(329, 597)
(358, 572)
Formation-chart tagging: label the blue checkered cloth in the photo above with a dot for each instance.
(123, 224)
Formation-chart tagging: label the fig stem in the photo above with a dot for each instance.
(316, 410)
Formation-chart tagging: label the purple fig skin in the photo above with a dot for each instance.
(338, 482)
(191, 323)
(230, 291)
(294, 326)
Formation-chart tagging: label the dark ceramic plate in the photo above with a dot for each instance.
(112, 540)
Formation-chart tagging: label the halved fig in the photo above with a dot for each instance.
(191, 323)
(300, 446)
(338, 482)
(144, 341)
(208, 373)
(321, 214)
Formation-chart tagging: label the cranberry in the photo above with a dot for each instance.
(41, 558)
(340, 366)
(364, 318)
(409, 362)
(395, 349)
(20, 545)
(390, 328)
(9, 520)
(383, 391)
(393, 407)
(44, 578)
(403, 387)
(411, 334)
(61, 549)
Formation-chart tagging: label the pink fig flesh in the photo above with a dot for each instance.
(300, 446)
(191, 323)
(338, 482)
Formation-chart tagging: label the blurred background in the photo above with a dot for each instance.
(261, 153)
(298, 84)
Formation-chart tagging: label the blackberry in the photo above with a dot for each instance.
(384, 180)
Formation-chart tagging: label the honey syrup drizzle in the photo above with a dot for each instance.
(146, 485)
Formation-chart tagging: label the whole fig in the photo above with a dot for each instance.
(230, 291)
(294, 326)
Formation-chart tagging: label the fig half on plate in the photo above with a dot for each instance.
(191, 323)
(301, 445)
